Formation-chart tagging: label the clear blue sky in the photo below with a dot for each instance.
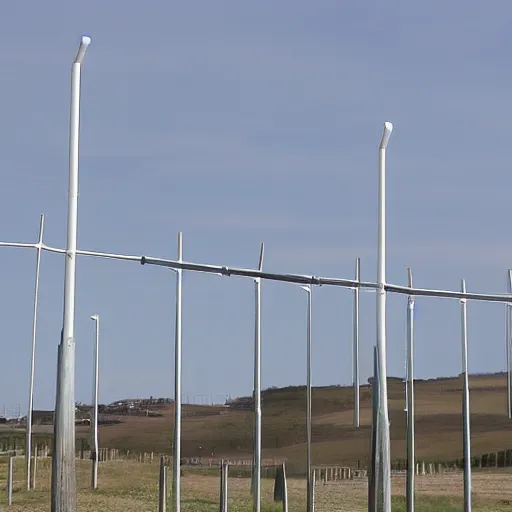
(242, 122)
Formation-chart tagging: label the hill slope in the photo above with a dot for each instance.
(228, 432)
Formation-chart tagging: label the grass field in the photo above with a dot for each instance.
(131, 487)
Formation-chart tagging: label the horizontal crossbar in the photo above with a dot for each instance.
(273, 276)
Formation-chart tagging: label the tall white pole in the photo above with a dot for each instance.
(94, 423)
(355, 348)
(257, 390)
(411, 461)
(507, 348)
(381, 323)
(309, 472)
(176, 468)
(508, 335)
(465, 403)
(63, 459)
(28, 442)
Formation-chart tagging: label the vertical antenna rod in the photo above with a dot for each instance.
(381, 323)
(176, 467)
(257, 389)
(411, 461)
(94, 423)
(508, 335)
(309, 472)
(28, 445)
(465, 402)
(355, 348)
(63, 459)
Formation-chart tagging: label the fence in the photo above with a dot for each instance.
(14, 444)
(13, 447)
(10, 412)
(324, 473)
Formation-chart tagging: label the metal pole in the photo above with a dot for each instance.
(381, 323)
(406, 386)
(95, 444)
(224, 475)
(465, 403)
(63, 459)
(176, 466)
(28, 442)
(508, 311)
(313, 485)
(221, 487)
(257, 391)
(355, 349)
(162, 487)
(405, 381)
(9, 481)
(411, 460)
(507, 348)
(285, 489)
(309, 505)
(374, 475)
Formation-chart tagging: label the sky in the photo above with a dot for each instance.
(242, 122)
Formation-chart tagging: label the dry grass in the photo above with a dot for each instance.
(131, 487)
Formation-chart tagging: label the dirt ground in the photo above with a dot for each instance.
(132, 487)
